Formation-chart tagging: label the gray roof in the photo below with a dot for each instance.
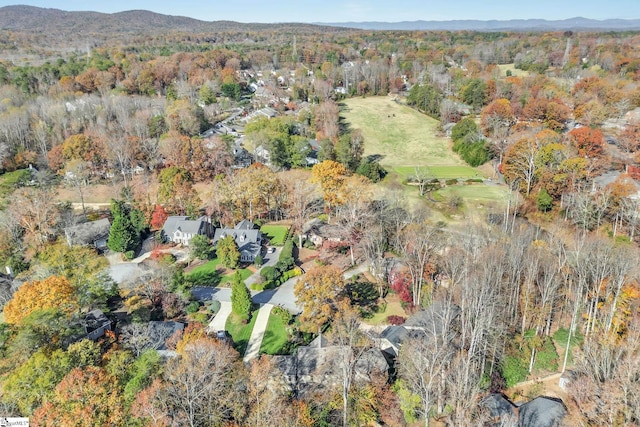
(249, 240)
(88, 232)
(542, 412)
(245, 224)
(174, 223)
(160, 332)
(95, 319)
(499, 406)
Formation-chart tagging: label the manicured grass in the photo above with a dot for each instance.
(244, 273)
(393, 308)
(398, 134)
(275, 233)
(441, 172)
(475, 192)
(275, 336)
(240, 332)
(209, 274)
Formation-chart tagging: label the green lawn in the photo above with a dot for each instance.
(393, 308)
(441, 172)
(400, 135)
(209, 274)
(475, 192)
(240, 332)
(275, 336)
(275, 233)
(244, 273)
(10, 181)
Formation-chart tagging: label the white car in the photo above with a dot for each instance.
(271, 250)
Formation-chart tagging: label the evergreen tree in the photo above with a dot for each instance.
(121, 235)
(240, 297)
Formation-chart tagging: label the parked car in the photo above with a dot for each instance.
(271, 250)
(222, 335)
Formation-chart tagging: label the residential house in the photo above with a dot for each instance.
(262, 154)
(160, 332)
(93, 233)
(319, 232)
(432, 322)
(500, 410)
(180, 229)
(242, 157)
(316, 368)
(543, 411)
(96, 323)
(246, 236)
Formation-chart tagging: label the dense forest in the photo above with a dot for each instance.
(247, 122)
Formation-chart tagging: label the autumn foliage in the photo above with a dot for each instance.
(53, 292)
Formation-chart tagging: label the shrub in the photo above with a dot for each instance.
(513, 370)
(129, 255)
(284, 314)
(371, 170)
(200, 318)
(193, 307)
(395, 319)
(269, 273)
(451, 182)
(213, 306)
(167, 259)
(258, 260)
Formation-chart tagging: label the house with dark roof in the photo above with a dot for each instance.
(500, 411)
(93, 233)
(180, 229)
(316, 368)
(246, 236)
(96, 324)
(429, 323)
(160, 332)
(543, 411)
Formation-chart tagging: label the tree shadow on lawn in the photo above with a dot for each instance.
(363, 294)
(272, 344)
(205, 278)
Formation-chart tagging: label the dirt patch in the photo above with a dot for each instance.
(306, 255)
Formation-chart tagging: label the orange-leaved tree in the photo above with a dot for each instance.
(331, 176)
(318, 293)
(52, 292)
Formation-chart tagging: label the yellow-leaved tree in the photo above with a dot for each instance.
(52, 292)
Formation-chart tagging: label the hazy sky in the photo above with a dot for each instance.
(357, 10)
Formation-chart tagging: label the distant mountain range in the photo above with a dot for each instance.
(42, 20)
(573, 24)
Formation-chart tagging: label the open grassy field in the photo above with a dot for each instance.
(441, 172)
(475, 192)
(398, 134)
(514, 71)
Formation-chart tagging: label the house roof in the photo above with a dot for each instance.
(248, 240)
(95, 319)
(542, 411)
(322, 229)
(160, 332)
(498, 406)
(245, 224)
(174, 223)
(88, 232)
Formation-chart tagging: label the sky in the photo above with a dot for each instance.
(357, 10)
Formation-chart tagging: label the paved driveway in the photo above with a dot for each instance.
(268, 260)
(220, 320)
